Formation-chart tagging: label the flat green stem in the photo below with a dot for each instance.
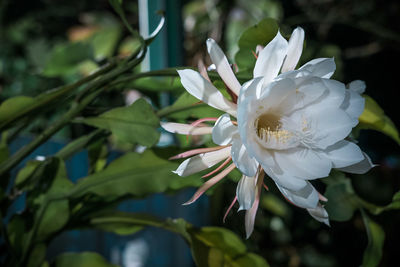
(165, 112)
(74, 111)
(55, 94)
(46, 134)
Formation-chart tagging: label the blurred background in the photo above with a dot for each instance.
(48, 43)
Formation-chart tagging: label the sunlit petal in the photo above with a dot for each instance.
(223, 68)
(186, 129)
(295, 48)
(201, 162)
(203, 90)
(270, 59)
(224, 130)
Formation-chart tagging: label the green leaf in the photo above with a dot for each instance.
(136, 123)
(161, 84)
(14, 105)
(394, 205)
(376, 237)
(80, 143)
(64, 58)
(54, 211)
(259, 34)
(218, 247)
(211, 246)
(342, 202)
(105, 40)
(251, 259)
(191, 107)
(374, 118)
(116, 4)
(17, 231)
(37, 256)
(275, 205)
(123, 223)
(83, 259)
(54, 218)
(26, 173)
(4, 152)
(37, 175)
(134, 174)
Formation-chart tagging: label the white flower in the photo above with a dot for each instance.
(291, 125)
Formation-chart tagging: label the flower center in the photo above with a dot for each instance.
(271, 133)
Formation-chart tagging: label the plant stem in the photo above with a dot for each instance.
(76, 145)
(53, 95)
(87, 97)
(172, 72)
(46, 134)
(170, 109)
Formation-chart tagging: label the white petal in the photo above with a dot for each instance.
(202, 162)
(246, 164)
(359, 168)
(284, 179)
(344, 153)
(251, 213)
(303, 163)
(329, 125)
(353, 105)
(321, 67)
(245, 192)
(275, 92)
(223, 130)
(307, 197)
(307, 91)
(295, 49)
(246, 98)
(320, 214)
(336, 94)
(357, 86)
(223, 68)
(203, 90)
(187, 129)
(270, 59)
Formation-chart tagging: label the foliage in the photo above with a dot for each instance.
(93, 68)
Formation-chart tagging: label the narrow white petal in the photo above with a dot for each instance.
(344, 153)
(320, 67)
(307, 197)
(223, 130)
(251, 213)
(361, 167)
(187, 129)
(303, 163)
(320, 214)
(357, 86)
(223, 68)
(245, 192)
(270, 59)
(295, 48)
(246, 164)
(203, 90)
(201, 162)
